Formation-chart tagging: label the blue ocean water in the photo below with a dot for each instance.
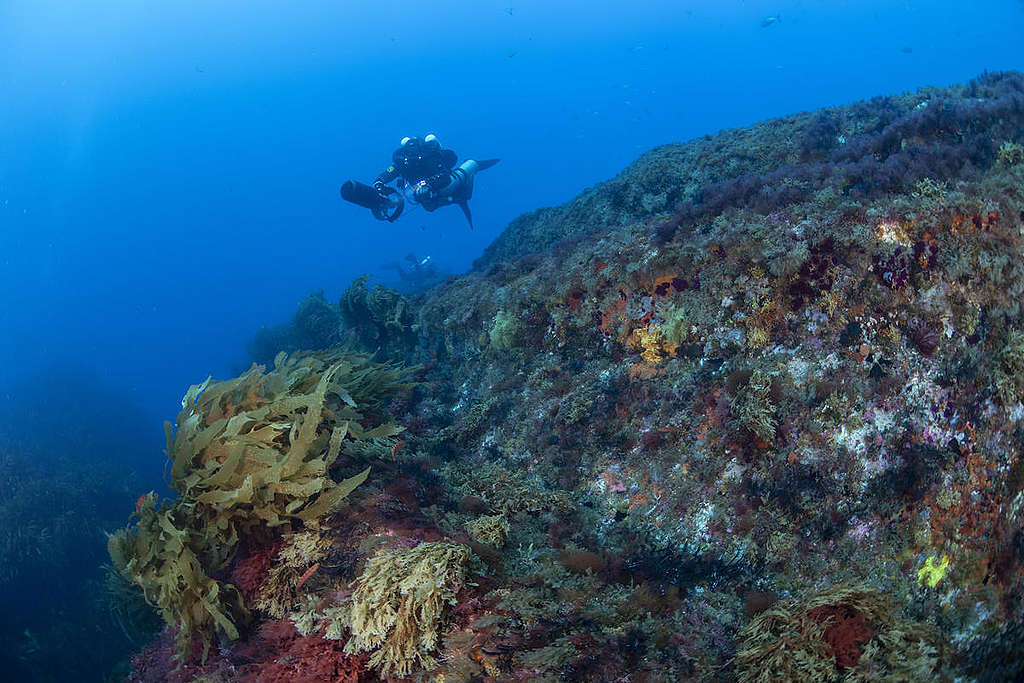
(169, 172)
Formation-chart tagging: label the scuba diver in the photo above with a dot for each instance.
(425, 173)
(420, 274)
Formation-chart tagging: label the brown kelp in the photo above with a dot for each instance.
(248, 455)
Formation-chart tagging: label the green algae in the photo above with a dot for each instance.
(502, 334)
(490, 529)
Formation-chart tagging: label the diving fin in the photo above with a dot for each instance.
(464, 205)
(462, 184)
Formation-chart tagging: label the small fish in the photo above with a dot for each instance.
(307, 574)
(906, 50)
(512, 54)
(768, 21)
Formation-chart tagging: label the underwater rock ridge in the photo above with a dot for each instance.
(866, 149)
(778, 439)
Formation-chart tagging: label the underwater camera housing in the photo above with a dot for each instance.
(386, 206)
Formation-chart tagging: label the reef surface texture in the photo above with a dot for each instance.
(749, 411)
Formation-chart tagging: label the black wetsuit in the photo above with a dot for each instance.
(418, 161)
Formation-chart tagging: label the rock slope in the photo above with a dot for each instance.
(749, 411)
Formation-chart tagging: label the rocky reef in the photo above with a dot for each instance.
(66, 475)
(749, 411)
